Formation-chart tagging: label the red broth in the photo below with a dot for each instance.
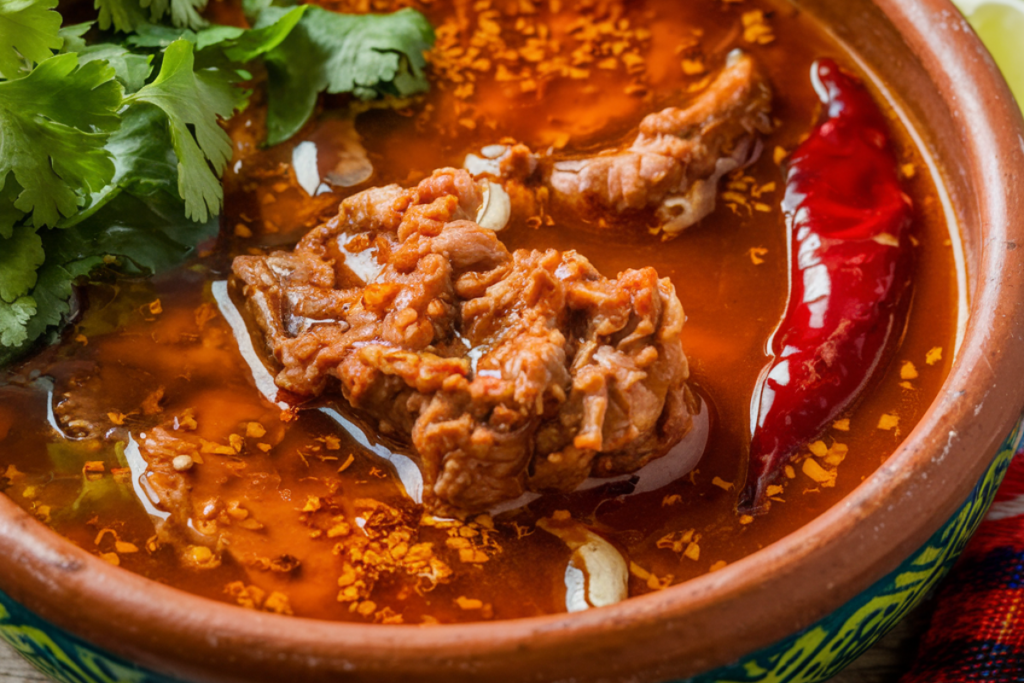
(287, 489)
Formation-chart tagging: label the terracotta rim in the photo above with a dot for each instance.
(692, 627)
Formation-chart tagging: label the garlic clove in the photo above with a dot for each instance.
(597, 574)
(496, 209)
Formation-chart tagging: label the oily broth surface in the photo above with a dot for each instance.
(730, 273)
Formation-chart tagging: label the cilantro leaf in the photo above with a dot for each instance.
(146, 234)
(20, 256)
(241, 45)
(144, 161)
(368, 55)
(50, 147)
(9, 214)
(28, 31)
(127, 15)
(50, 304)
(183, 12)
(14, 318)
(53, 292)
(218, 44)
(308, 50)
(121, 15)
(131, 69)
(158, 36)
(197, 99)
(73, 36)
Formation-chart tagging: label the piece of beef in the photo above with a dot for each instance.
(678, 156)
(504, 371)
(672, 166)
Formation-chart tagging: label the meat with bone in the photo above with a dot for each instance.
(505, 371)
(672, 166)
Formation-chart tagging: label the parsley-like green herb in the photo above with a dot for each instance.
(106, 165)
(195, 98)
(29, 30)
(127, 15)
(55, 151)
(368, 55)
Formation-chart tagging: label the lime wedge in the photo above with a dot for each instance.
(1000, 23)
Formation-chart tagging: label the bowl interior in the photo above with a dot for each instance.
(933, 66)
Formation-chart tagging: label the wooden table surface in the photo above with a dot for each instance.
(884, 663)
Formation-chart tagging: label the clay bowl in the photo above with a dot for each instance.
(819, 596)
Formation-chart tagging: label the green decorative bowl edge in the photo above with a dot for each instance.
(814, 654)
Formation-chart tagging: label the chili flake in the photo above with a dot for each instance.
(468, 603)
(756, 29)
(888, 421)
(757, 254)
(722, 484)
(818, 448)
(94, 467)
(254, 430)
(819, 474)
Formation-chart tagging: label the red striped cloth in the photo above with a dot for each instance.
(977, 631)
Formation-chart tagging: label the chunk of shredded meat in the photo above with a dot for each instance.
(505, 371)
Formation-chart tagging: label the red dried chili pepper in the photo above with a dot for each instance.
(851, 262)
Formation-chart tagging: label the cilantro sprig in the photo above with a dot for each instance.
(195, 98)
(111, 149)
